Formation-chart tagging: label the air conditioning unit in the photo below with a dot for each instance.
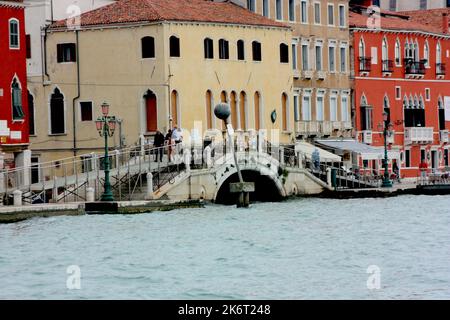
(443, 136)
(367, 137)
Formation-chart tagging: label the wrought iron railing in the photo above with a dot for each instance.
(414, 67)
(387, 66)
(440, 69)
(365, 64)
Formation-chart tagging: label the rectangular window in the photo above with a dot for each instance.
(332, 59)
(305, 57)
(333, 108)
(14, 34)
(265, 9)
(343, 57)
(294, 56)
(28, 45)
(304, 11)
(422, 155)
(331, 15)
(317, 13)
(407, 158)
(318, 58)
(344, 108)
(342, 14)
(86, 111)
(423, 4)
(392, 5)
(279, 10)
(66, 52)
(306, 108)
(291, 10)
(398, 93)
(446, 160)
(296, 108)
(319, 108)
(427, 94)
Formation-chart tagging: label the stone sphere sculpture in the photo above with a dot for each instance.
(222, 111)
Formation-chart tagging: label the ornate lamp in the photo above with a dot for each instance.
(105, 109)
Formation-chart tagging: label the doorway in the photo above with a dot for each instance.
(434, 160)
(35, 170)
(151, 111)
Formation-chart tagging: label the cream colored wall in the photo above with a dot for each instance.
(193, 75)
(111, 69)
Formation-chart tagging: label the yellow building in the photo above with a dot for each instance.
(160, 63)
(321, 62)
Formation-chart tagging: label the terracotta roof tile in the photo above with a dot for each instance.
(397, 21)
(132, 11)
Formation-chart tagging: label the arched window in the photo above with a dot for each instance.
(284, 118)
(242, 111)
(174, 44)
(14, 42)
(16, 97)
(385, 50)
(366, 114)
(209, 48)
(284, 53)
(441, 111)
(398, 52)
(256, 47)
(408, 51)
(234, 110)
(151, 111)
(416, 53)
(31, 115)
(438, 56)
(386, 108)
(240, 50)
(405, 102)
(148, 47)
(174, 108)
(224, 52)
(426, 54)
(57, 113)
(257, 101)
(209, 104)
(224, 97)
(362, 48)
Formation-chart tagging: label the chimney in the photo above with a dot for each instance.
(445, 22)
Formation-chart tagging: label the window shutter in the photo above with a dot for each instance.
(59, 53)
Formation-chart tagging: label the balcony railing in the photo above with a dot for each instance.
(440, 69)
(387, 66)
(365, 64)
(418, 135)
(414, 67)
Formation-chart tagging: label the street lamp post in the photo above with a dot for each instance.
(106, 125)
(387, 183)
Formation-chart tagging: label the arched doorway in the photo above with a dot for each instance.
(242, 113)
(233, 106)
(257, 99)
(57, 114)
(151, 114)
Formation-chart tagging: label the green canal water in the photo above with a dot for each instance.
(397, 248)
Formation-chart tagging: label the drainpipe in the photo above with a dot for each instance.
(74, 118)
(45, 74)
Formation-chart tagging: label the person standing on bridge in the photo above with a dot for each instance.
(158, 143)
(169, 143)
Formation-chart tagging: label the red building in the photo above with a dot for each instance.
(400, 69)
(14, 130)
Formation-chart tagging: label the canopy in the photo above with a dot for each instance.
(366, 152)
(308, 149)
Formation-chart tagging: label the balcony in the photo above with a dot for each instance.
(307, 74)
(443, 136)
(414, 69)
(347, 125)
(365, 65)
(326, 128)
(440, 70)
(296, 74)
(418, 135)
(337, 125)
(308, 128)
(387, 67)
(321, 75)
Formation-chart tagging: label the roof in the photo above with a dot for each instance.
(136, 11)
(307, 149)
(398, 21)
(367, 152)
(432, 17)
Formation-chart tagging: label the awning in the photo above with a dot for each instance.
(307, 149)
(366, 152)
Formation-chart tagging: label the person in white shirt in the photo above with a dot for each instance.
(176, 135)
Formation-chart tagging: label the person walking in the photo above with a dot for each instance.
(168, 142)
(158, 143)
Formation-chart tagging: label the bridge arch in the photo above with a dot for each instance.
(268, 186)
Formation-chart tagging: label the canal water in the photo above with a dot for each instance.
(397, 248)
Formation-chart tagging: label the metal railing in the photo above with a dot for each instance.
(365, 64)
(387, 66)
(441, 69)
(414, 67)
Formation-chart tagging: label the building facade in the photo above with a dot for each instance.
(321, 64)
(400, 70)
(159, 69)
(14, 125)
